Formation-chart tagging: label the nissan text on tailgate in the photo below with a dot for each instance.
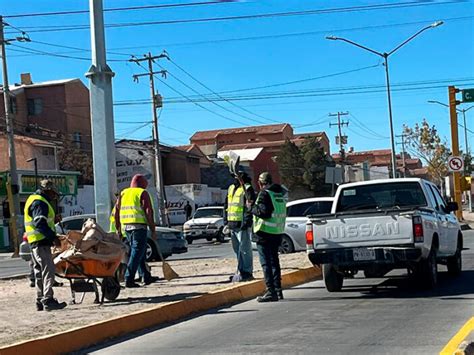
(381, 225)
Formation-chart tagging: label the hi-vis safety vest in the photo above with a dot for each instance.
(131, 210)
(32, 234)
(235, 203)
(112, 228)
(276, 223)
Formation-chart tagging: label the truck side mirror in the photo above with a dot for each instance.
(451, 207)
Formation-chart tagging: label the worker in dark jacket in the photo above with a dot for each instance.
(268, 225)
(40, 219)
(239, 221)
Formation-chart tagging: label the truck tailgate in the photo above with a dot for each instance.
(363, 230)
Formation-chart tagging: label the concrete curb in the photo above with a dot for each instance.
(14, 277)
(82, 337)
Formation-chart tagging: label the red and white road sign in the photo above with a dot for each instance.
(455, 164)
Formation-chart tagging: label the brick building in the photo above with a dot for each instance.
(25, 148)
(52, 109)
(383, 158)
(258, 144)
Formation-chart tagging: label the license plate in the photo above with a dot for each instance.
(363, 254)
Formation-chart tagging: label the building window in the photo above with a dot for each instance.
(13, 106)
(77, 139)
(48, 151)
(35, 106)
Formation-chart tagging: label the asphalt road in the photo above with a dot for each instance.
(369, 316)
(200, 249)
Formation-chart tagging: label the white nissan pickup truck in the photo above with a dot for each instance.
(381, 225)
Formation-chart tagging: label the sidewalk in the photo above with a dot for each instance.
(468, 219)
(5, 255)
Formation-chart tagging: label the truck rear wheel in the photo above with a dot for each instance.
(332, 279)
(455, 262)
(428, 271)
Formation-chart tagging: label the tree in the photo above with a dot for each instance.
(424, 142)
(290, 162)
(305, 166)
(71, 158)
(315, 163)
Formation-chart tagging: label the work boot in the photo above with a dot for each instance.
(131, 285)
(279, 292)
(39, 306)
(53, 304)
(268, 297)
(32, 283)
(151, 279)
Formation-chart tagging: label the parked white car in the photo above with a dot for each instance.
(207, 222)
(297, 213)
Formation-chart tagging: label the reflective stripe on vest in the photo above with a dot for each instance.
(32, 234)
(235, 203)
(276, 223)
(131, 210)
(112, 228)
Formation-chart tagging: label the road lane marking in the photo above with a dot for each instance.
(457, 339)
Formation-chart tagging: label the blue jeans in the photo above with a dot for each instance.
(242, 245)
(268, 255)
(137, 261)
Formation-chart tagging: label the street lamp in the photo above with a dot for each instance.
(463, 111)
(385, 56)
(35, 161)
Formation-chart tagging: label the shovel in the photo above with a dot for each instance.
(168, 272)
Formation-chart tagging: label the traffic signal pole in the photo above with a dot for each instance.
(455, 146)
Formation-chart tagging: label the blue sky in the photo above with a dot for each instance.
(437, 58)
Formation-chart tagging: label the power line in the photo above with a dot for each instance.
(362, 8)
(195, 103)
(212, 102)
(218, 95)
(130, 8)
(361, 125)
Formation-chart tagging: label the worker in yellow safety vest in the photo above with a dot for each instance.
(134, 215)
(238, 221)
(40, 219)
(269, 216)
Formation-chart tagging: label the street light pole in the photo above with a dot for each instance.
(390, 117)
(385, 56)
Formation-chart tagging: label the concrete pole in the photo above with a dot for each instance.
(103, 144)
(15, 203)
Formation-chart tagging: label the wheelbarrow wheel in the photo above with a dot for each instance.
(110, 288)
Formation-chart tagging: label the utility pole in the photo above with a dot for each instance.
(14, 201)
(156, 102)
(402, 136)
(340, 139)
(102, 118)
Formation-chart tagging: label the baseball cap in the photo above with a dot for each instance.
(48, 185)
(265, 178)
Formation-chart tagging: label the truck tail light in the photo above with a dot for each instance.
(309, 236)
(418, 229)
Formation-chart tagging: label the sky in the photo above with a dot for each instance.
(261, 70)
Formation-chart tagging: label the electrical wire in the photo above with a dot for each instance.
(218, 95)
(362, 126)
(191, 101)
(129, 8)
(361, 8)
(212, 102)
